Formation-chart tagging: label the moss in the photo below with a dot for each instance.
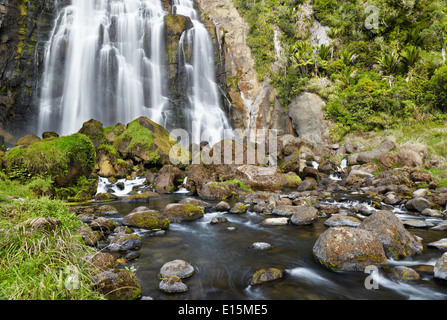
(54, 159)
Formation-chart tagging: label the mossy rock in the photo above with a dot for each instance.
(177, 212)
(94, 130)
(147, 219)
(266, 275)
(118, 284)
(63, 160)
(145, 141)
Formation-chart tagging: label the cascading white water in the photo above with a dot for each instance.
(208, 118)
(106, 61)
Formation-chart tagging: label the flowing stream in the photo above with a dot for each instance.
(224, 259)
(106, 61)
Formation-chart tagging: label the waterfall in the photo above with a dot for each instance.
(105, 60)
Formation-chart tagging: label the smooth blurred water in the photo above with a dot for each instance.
(224, 261)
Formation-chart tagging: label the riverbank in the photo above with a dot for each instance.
(132, 223)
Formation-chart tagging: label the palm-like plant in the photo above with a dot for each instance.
(388, 62)
(324, 51)
(347, 56)
(410, 56)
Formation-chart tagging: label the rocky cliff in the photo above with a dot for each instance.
(24, 27)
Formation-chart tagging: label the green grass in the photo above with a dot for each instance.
(38, 265)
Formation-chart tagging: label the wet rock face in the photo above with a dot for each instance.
(24, 28)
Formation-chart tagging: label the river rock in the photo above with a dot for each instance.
(404, 273)
(417, 204)
(265, 275)
(239, 207)
(349, 249)
(285, 210)
(305, 215)
(432, 213)
(440, 270)
(440, 244)
(179, 268)
(195, 202)
(417, 223)
(217, 220)
(177, 212)
(266, 178)
(90, 237)
(276, 221)
(222, 206)
(103, 225)
(441, 226)
(164, 183)
(217, 190)
(261, 246)
(308, 184)
(144, 218)
(172, 284)
(342, 220)
(397, 241)
(123, 242)
(118, 284)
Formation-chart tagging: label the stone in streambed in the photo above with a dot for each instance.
(144, 218)
(178, 268)
(440, 270)
(266, 275)
(397, 241)
(172, 284)
(349, 249)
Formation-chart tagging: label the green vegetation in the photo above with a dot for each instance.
(37, 264)
(52, 158)
(375, 73)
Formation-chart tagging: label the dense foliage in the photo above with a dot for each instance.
(385, 62)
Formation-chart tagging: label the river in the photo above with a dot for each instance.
(224, 260)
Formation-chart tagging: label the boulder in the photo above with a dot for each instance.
(398, 243)
(440, 270)
(304, 215)
(146, 219)
(118, 284)
(306, 113)
(63, 160)
(276, 221)
(179, 268)
(412, 155)
(90, 237)
(217, 190)
(349, 249)
(266, 275)
(440, 244)
(417, 204)
(239, 207)
(342, 220)
(164, 183)
(172, 284)
(266, 178)
(222, 206)
(123, 242)
(177, 212)
(404, 273)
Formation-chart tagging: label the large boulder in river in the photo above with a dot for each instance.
(218, 190)
(146, 219)
(349, 249)
(398, 242)
(177, 212)
(266, 178)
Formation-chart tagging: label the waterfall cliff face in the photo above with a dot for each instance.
(107, 60)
